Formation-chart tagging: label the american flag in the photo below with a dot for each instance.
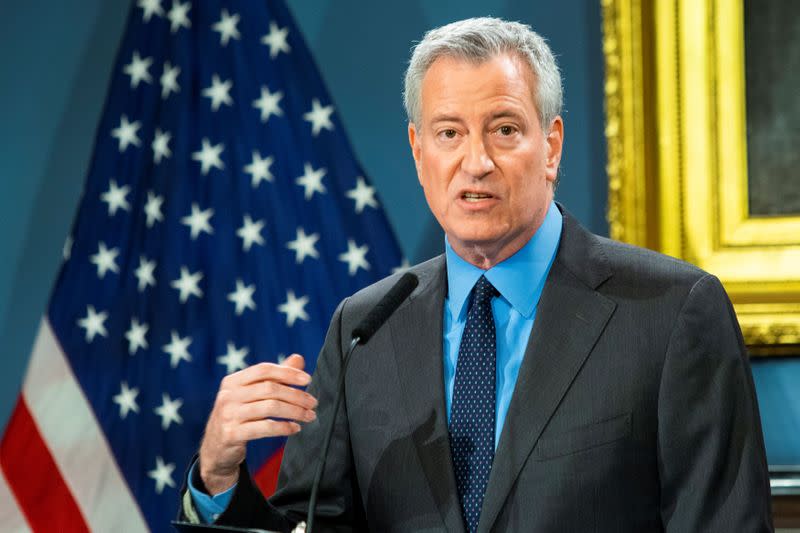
(223, 218)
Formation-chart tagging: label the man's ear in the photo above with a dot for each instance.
(555, 143)
(413, 141)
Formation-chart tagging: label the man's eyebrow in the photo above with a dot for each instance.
(445, 118)
(505, 113)
(500, 114)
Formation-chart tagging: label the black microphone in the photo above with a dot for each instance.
(384, 309)
(377, 316)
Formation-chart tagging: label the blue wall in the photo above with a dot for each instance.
(55, 60)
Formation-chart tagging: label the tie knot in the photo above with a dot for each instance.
(483, 292)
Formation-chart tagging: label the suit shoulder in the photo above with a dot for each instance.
(633, 263)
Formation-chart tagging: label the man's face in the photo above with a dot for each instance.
(485, 164)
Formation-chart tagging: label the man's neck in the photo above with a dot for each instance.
(485, 256)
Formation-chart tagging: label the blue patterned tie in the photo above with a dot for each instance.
(472, 412)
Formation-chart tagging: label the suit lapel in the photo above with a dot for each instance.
(571, 316)
(417, 336)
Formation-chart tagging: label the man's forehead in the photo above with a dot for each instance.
(451, 79)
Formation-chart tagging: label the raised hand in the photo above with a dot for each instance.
(247, 404)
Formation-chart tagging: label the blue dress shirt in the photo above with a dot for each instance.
(519, 280)
(208, 507)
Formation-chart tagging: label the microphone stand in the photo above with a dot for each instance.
(312, 502)
(381, 312)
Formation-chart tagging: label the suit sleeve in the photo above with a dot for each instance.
(712, 463)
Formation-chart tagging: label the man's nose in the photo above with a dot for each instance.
(477, 161)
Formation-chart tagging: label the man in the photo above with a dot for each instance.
(540, 378)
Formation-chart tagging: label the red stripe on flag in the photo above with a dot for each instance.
(267, 476)
(34, 477)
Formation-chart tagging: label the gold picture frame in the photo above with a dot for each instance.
(677, 157)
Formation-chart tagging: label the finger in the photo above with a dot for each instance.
(270, 390)
(267, 372)
(259, 429)
(275, 409)
(266, 390)
(295, 361)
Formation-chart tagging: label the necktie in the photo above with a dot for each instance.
(472, 413)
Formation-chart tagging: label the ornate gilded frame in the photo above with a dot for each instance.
(677, 158)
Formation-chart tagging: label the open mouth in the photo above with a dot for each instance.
(475, 196)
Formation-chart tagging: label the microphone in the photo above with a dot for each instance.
(384, 309)
(361, 334)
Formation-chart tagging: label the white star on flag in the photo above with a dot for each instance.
(152, 208)
(363, 194)
(150, 8)
(268, 103)
(115, 198)
(126, 399)
(93, 323)
(178, 16)
(178, 349)
(199, 221)
(105, 260)
(311, 181)
(169, 80)
(209, 156)
(168, 411)
(126, 133)
(219, 92)
(319, 117)
(137, 70)
(402, 267)
(355, 257)
(136, 336)
(144, 273)
(259, 168)
(161, 145)
(242, 297)
(66, 251)
(227, 27)
(294, 308)
(162, 474)
(276, 40)
(233, 358)
(304, 245)
(187, 284)
(250, 233)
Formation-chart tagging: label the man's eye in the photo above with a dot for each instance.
(506, 130)
(450, 134)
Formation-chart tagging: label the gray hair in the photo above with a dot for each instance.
(478, 40)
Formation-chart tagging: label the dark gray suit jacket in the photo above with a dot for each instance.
(634, 410)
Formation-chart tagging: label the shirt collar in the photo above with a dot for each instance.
(519, 279)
